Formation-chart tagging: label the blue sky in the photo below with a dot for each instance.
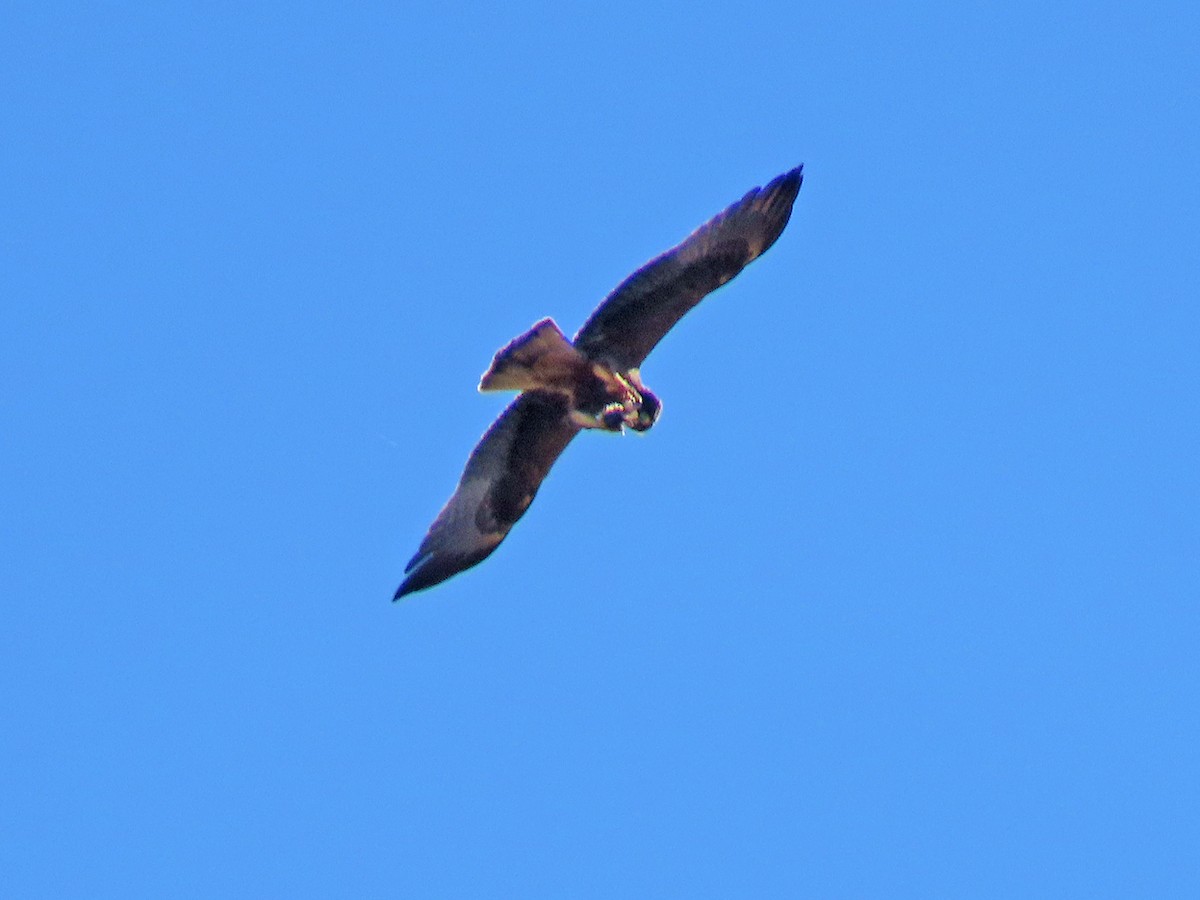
(899, 598)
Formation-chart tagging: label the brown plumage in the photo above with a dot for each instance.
(591, 382)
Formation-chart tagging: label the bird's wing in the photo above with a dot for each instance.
(498, 484)
(646, 305)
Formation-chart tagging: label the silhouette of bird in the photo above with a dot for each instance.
(592, 382)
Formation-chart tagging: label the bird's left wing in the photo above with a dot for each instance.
(499, 482)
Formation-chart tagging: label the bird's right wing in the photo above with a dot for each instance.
(500, 480)
(647, 304)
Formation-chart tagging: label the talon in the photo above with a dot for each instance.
(614, 416)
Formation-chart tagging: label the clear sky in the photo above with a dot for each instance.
(899, 598)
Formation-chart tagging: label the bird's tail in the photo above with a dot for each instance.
(540, 358)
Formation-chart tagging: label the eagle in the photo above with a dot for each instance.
(591, 382)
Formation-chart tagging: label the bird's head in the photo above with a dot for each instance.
(648, 411)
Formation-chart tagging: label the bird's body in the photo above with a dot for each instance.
(592, 382)
(543, 359)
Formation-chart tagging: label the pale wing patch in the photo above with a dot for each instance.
(456, 529)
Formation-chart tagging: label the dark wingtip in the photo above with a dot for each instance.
(796, 174)
(775, 201)
(413, 581)
(787, 184)
(417, 581)
(433, 568)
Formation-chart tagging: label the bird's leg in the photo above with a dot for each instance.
(631, 392)
(613, 417)
(648, 405)
(631, 402)
(617, 401)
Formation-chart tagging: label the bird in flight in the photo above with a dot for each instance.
(591, 382)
